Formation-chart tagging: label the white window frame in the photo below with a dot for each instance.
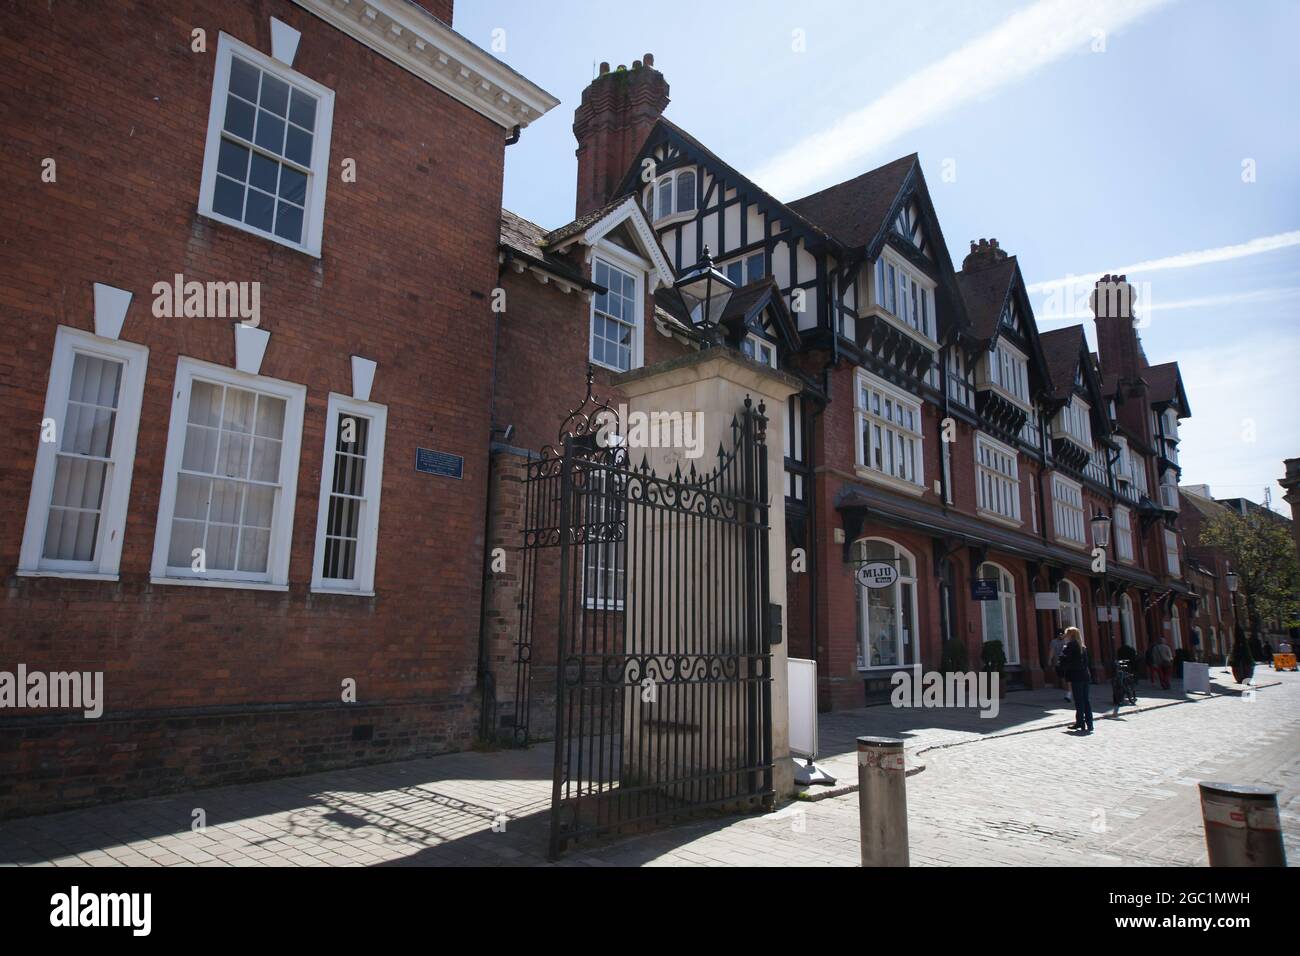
(672, 181)
(1123, 533)
(277, 563)
(864, 616)
(635, 267)
(1075, 420)
(897, 304)
(990, 483)
(1172, 562)
(1006, 361)
(363, 582)
(1064, 512)
(1071, 605)
(68, 342)
(1127, 632)
(1006, 605)
(896, 431)
(759, 350)
(314, 210)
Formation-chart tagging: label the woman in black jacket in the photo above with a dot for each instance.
(1078, 671)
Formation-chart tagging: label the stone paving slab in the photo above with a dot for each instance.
(1024, 794)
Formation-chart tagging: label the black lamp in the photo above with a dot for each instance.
(705, 292)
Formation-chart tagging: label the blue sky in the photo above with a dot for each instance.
(1086, 136)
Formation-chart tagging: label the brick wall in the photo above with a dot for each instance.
(118, 99)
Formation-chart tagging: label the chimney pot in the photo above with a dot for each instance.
(636, 64)
(649, 59)
(604, 68)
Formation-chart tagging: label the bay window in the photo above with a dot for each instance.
(889, 431)
(1124, 534)
(1074, 421)
(905, 294)
(997, 478)
(1009, 371)
(1067, 510)
(674, 193)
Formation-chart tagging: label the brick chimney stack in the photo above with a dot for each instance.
(441, 9)
(1117, 341)
(617, 112)
(983, 254)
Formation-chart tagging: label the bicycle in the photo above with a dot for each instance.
(1124, 684)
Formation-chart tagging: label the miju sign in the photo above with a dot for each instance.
(876, 575)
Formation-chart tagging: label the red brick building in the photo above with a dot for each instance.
(937, 431)
(218, 377)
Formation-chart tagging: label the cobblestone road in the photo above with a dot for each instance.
(1017, 791)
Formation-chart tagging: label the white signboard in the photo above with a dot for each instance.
(1047, 600)
(803, 707)
(1196, 678)
(877, 574)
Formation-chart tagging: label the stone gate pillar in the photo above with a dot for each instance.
(715, 382)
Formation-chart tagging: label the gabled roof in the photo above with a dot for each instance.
(527, 240)
(582, 223)
(854, 211)
(985, 292)
(1206, 507)
(1165, 385)
(689, 144)
(747, 302)
(1061, 350)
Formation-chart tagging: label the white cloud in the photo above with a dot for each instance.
(1025, 42)
(1183, 260)
(1145, 309)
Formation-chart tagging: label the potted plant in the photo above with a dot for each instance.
(995, 660)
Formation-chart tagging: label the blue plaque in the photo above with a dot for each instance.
(430, 462)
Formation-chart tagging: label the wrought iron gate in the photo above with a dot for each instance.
(656, 591)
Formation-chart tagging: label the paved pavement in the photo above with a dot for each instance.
(1015, 790)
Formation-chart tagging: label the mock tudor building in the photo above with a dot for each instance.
(261, 521)
(936, 431)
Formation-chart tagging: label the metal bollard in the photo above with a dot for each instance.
(882, 802)
(1242, 827)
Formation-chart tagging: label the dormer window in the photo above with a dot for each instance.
(674, 193)
(760, 350)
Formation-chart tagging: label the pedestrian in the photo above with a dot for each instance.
(1150, 660)
(1163, 656)
(1078, 671)
(1268, 653)
(1054, 662)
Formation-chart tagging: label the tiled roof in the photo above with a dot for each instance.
(1207, 507)
(527, 240)
(985, 292)
(853, 211)
(1162, 382)
(1061, 351)
(583, 223)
